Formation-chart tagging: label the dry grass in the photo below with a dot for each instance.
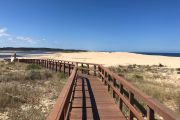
(158, 81)
(28, 91)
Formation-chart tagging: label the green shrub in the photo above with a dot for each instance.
(45, 74)
(61, 75)
(136, 76)
(33, 75)
(33, 67)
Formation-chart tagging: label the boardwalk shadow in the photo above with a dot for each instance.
(92, 100)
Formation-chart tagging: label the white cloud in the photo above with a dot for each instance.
(3, 32)
(26, 40)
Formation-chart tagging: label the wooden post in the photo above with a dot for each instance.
(108, 84)
(60, 66)
(52, 67)
(52, 64)
(47, 63)
(64, 67)
(82, 68)
(56, 66)
(103, 73)
(114, 84)
(94, 70)
(69, 71)
(88, 68)
(131, 98)
(150, 114)
(105, 78)
(120, 100)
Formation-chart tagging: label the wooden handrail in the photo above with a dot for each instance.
(61, 108)
(76, 62)
(153, 104)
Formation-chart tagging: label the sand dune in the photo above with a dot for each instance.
(116, 58)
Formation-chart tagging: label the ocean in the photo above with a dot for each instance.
(7, 53)
(161, 54)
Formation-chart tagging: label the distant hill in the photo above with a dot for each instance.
(41, 49)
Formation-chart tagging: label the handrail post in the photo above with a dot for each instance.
(105, 75)
(60, 66)
(47, 63)
(52, 67)
(52, 64)
(150, 114)
(114, 84)
(56, 66)
(131, 99)
(108, 81)
(69, 71)
(94, 70)
(82, 68)
(64, 67)
(120, 100)
(88, 68)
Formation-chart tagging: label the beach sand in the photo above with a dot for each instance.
(115, 58)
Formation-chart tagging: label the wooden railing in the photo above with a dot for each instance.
(63, 105)
(138, 104)
(132, 102)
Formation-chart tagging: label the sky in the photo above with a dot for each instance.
(104, 25)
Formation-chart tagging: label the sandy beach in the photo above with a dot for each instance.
(115, 58)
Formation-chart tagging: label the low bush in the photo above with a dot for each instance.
(33, 75)
(61, 75)
(33, 67)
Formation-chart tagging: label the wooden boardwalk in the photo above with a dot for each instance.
(84, 96)
(92, 101)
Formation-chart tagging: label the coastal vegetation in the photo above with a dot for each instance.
(158, 81)
(40, 49)
(28, 91)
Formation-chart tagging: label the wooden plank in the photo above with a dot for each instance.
(92, 101)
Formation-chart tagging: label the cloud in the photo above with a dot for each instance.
(3, 32)
(25, 40)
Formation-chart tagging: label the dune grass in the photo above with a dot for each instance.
(160, 82)
(28, 91)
